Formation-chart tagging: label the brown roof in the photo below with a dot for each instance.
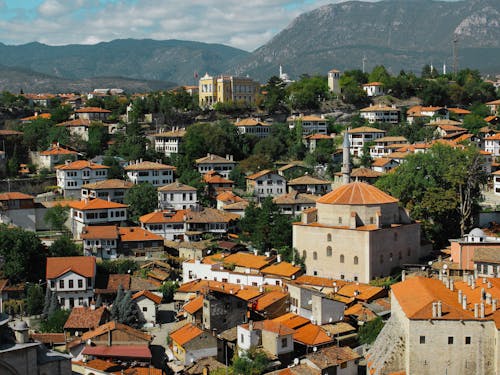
(210, 215)
(247, 260)
(75, 123)
(292, 320)
(376, 108)
(128, 234)
(250, 122)
(357, 193)
(147, 165)
(149, 295)
(259, 174)
(185, 334)
(294, 197)
(172, 134)
(365, 129)
(109, 184)
(176, 186)
(111, 326)
(266, 300)
(57, 150)
(104, 232)
(211, 158)
(311, 335)
(82, 265)
(92, 110)
(271, 326)
(494, 102)
(365, 172)
(397, 139)
(194, 305)
(332, 356)
(487, 254)
(308, 180)
(84, 318)
(229, 196)
(165, 216)
(49, 338)
(14, 196)
(380, 162)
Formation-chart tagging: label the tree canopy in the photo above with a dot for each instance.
(142, 199)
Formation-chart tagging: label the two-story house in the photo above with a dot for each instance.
(72, 279)
(310, 185)
(18, 209)
(140, 242)
(359, 136)
(310, 124)
(113, 190)
(253, 126)
(93, 113)
(100, 241)
(177, 196)
(266, 183)
(169, 142)
(386, 145)
(78, 127)
(95, 212)
(167, 223)
(424, 113)
(374, 89)
(54, 155)
(380, 113)
(156, 174)
(216, 163)
(71, 176)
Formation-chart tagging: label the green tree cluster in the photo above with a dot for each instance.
(252, 362)
(370, 330)
(56, 217)
(53, 317)
(34, 299)
(125, 310)
(142, 199)
(307, 93)
(168, 289)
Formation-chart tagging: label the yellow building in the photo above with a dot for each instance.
(226, 89)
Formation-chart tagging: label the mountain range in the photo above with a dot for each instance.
(400, 34)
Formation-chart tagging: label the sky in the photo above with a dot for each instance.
(245, 24)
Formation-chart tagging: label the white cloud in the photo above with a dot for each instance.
(239, 23)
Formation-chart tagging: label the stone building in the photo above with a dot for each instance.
(356, 232)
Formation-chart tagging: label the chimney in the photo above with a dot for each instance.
(489, 284)
(473, 284)
(403, 275)
(464, 302)
(434, 309)
(255, 252)
(278, 258)
(452, 285)
(476, 310)
(439, 309)
(493, 305)
(488, 298)
(250, 325)
(481, 310)
(459, 296)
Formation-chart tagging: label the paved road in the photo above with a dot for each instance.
(166, 320)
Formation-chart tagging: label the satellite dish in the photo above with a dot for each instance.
(295, 361)
(445, 266)
(315, 349)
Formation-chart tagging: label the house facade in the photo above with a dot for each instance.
(177, 196)
(211, 162)
(266, 183)
(168, 142)
(93, 113)
(253, 127)
(113, 190)
(380, 113)
(71, 176)
(156, 174)
(310, 124)
(359, 136)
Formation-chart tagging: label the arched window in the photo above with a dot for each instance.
(329, 237)
(381, 258)
(341, 258)
(315, 255)
(356, 260)
(328, 251)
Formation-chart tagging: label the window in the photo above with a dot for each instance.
(450, 340)
(341, 258)
(467, 340)
(70, 284)
(340, 219)
(329, 237)
(328, 251)
(242, 336)
(422, 339)
(371, 220)
(381, 258)
(284, 343)
(61, 284)
(315, 255)
(80, 301)
(80, 283)
(144, 309)
(52, 283)
(356, 260)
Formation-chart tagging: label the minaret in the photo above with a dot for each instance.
(346, 164)
(281, 72)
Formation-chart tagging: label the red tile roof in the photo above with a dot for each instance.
(311, 335)
(284, 269)
(111, 326)
(194, 305)
(119, 351)
(128, 234)
(109, 184)
(83, 265)
(185, 334)
(149, 295)
(49, 338)
(271, 326)
(247, 260)
(104, 232)
(75, 123)
(81, 164)
(95, 204)
(92, 110)
(84, 318)
(269, 298)
(357, 193)
(57, 150)
(14, 196)
(292, 320)
(165, 216)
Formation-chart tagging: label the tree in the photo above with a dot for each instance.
(370, 330)
(274, 100)
(473, 123)
(366, 159)
(23, 253)
(168, 289)
(57, 216)
(307, 93)
(98, 136)
(129, 313)
(98, 301)
(64, 247)
(115, 308)
(142, 199)
(442, 188)
(34, 299)
(46, 303)
(55, 322)
(54, 305)
(251, 362)
(115, 170)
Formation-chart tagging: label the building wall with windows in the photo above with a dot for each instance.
(72, 290)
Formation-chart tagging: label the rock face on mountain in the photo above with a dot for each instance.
(400, 34)
(169, 60)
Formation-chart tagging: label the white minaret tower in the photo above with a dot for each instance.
(346, 163)
(444, 68)
(281, 71)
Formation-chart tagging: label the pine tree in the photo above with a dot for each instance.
(130, 312)
(46, 303)
(98, 301)
(54, 305)
(115, 309)
(125, 307)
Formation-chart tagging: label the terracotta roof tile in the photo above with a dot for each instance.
(111, 326)
(165, 216)
(214, 159)
(176, 186)
(269, 298)
(311, 335)
(105, 232)
(259, 174)
(84, 318)
(247, 260)
(82, 265)
(357, 193)
(332, 356)
(271, 326)
(292, 320)
(92, 110)
(148, 165)
(185, 334)
(365, 129)
(75, 123)
(49, 338)
(95, 204)
(149, 295)
(120, 351)
(171, 134)
(284, 269)
(128, 234)
(229, 196)
(57, 150)
(194, 305)
(109, 184)
(14, 196)
(250, 122)
(81, 164)
(308, 180)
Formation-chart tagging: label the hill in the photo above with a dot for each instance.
(169, 60)
(400, 34)
(17, 79)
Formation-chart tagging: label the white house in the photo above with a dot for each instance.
(148, 304)
(266, 183)
(293, 203)
(167, 223)
(71, 176)
(384, 165)
(253, 126)
(156, 174)
(93, 113)
(95, 212)
(55, 155)
(310, 185)
(492, 144)
(72, 279)
(420, 112)
(496, 182)
(177, 196)
(113, 190)
(310, 124)
(79, 127)
(380, 113)
(168, 143)
(359, 136)
(374, 89)
(216, 163)
(386, 145)
(100, 241)
(494, 107)
(18, 209)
